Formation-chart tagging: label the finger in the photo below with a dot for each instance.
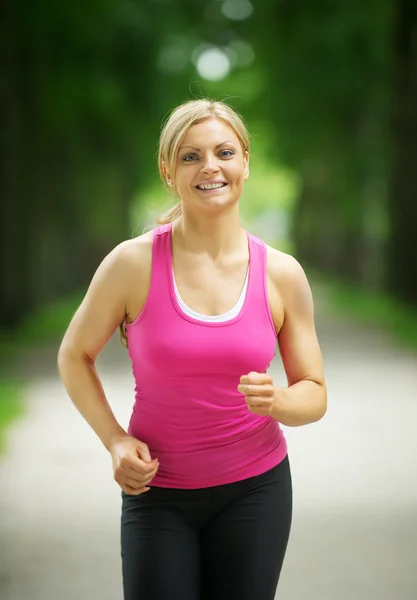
(122, 473)
(249, 378)
(136, 485)
(133, 484)
(144, 480)
(257, 401)
(254, 378)
(147, 468)
(256, 390)
(260, 411)
(147, 476)
(138, 465)
(134, 492)
(143, 453)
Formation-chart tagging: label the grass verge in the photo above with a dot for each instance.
(40, 326)
(11, 406)
(374, 308)
(43, 325)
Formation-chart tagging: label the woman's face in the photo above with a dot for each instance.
(211, 166)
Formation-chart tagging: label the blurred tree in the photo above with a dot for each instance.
(84, 92)
(85, 87)
(77, 94)
(402, 250)
(328, 67)
(343, 96)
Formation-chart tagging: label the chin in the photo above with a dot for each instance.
(218, 204)
(219, 200)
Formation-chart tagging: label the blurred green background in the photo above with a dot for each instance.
(329, 93)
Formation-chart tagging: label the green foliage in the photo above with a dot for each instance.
(41, 325)
(373, 308)
(86, 88)
(329, 98)
(10, 406)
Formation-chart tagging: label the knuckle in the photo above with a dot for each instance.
(124, 462)
(117, 474)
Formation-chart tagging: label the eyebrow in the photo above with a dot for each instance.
(218, 145)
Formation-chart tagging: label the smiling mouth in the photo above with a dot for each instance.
(207, 187)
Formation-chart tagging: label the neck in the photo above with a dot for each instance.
(211, 235)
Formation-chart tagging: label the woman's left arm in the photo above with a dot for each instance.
(305, 399)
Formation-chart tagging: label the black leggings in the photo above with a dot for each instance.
(220, 543)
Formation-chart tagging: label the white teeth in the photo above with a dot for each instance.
(210, 186)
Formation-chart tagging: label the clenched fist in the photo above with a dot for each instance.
(259, 392)
(133, 466)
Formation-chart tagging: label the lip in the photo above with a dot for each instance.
(206, 181)
(211, 181)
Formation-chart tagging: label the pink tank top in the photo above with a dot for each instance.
(187, 408)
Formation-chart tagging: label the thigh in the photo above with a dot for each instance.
(160, 551)
(244, 545)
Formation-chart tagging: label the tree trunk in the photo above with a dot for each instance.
(402, 248)
(15, 216)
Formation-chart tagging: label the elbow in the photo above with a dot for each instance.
(69, 355)
(64, 357)
(61, 357)
(322, 401)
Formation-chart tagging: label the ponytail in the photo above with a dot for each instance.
(173, 213)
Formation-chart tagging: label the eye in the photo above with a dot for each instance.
(226, 153)
(189, 158)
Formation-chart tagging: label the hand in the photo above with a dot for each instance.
(133, 466)
(259, 392)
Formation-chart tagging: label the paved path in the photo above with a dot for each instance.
(355, 480)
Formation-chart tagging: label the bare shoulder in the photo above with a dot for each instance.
(283, 268)
(133, 252)
(132, 266)
(289, 280)
(108, 299)
(129, 258)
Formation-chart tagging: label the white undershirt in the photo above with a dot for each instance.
(227, 316)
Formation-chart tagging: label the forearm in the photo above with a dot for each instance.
(300, 404)
(84, 387)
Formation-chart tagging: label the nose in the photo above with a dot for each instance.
(209, 164)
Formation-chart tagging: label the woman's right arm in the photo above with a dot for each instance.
(99, 315)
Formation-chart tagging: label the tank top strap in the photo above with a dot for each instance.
(257, 298)
(161, 248)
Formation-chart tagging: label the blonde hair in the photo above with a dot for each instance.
(176, 126)
(173, 131)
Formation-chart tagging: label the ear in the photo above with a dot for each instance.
(246, 162)
(166, 173)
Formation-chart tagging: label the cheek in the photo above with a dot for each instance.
(239, 174)
(183, 179)
(240, 178)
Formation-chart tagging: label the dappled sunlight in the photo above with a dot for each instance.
(237, 10)
(213, 64)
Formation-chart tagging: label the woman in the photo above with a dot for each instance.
(203, 467)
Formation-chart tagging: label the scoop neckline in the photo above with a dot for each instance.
(191, 319)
